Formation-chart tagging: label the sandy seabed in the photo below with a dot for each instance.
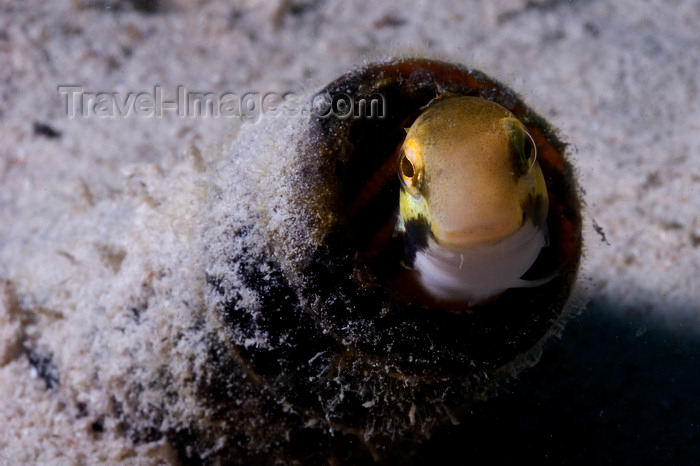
(87, 203)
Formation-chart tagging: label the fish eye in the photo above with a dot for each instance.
(530, 150)
(408, 171)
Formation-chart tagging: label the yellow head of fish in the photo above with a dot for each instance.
(473, 200)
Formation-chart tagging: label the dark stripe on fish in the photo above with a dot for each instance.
(418, 231)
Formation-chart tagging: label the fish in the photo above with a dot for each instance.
(473, 201)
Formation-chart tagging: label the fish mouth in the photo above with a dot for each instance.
(485, 234)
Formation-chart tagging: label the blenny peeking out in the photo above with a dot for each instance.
(473, 201)
(329, 350)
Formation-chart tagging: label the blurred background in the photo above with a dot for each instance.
(619, 79)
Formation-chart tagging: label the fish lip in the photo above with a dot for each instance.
(461, 239)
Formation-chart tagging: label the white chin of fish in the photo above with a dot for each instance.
(475, 274)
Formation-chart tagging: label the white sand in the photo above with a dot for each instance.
(88, 218)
